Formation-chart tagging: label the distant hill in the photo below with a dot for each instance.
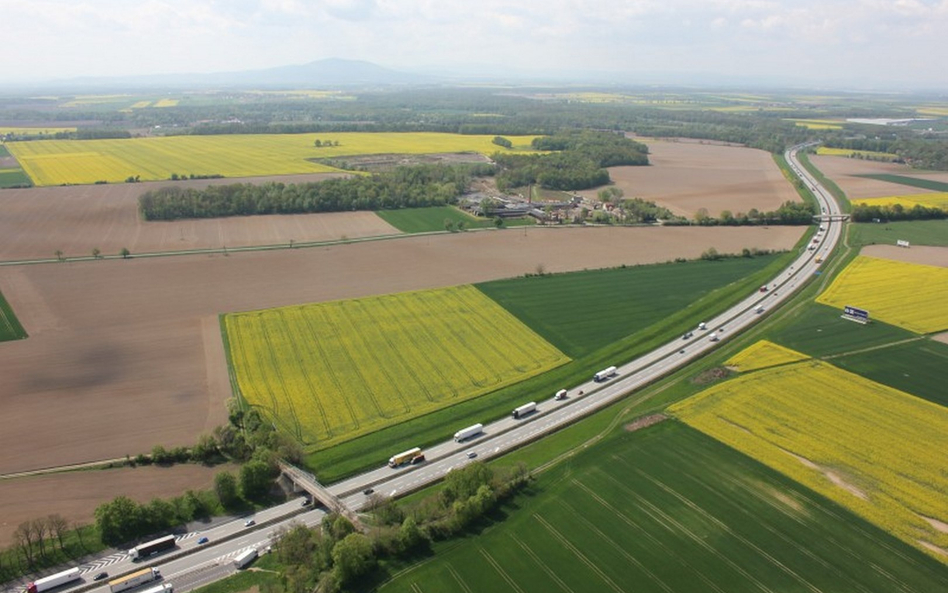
(332, 72)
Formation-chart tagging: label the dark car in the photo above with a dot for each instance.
(368, 491)
(100, 576)
(417, 460)
(203, 540)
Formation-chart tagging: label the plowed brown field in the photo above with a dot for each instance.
(127, 354)
(843, 171)
(38, 222)
(685, 176)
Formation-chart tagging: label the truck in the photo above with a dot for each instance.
(561, 394)
(523, 410)
(162, 588)
(702, 326)
(244, 558)
(130, 581)
(466, 433)
(151, 548)
(53, 581)
(605, 374)
(405, 457)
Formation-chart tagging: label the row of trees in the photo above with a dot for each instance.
(789, 213)
(402, 187)
(577, 160)
(867, 213)
(35, 540)
(336, 557)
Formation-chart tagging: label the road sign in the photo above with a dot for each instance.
(855, 314)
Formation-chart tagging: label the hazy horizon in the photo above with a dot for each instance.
(860, 44)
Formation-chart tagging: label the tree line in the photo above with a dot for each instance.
(577, 160)
(403, 187)
(890, 212)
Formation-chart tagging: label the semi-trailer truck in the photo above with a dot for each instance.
(404, 457)
(244, 558)
(604, 374)
(53, 581)
(153, 547)
(130, 581)
(468, 432)
(523, 410)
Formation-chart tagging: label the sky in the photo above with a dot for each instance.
(880, 44)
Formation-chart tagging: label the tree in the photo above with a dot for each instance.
(160, 455)
(410, 535)
(57, 526)
(501, 141)
(118, 521)
(499, 222)
(205, 450)
(255, 479)
(352, 557)
(125, 253)
(23, 536)
(59, 255)
(39, 533)
(225, 485)
(96, 252)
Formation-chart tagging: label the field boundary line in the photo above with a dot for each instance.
(634, 525)
(543, 565)
(582, 557)
(500, 570)
(871, 348)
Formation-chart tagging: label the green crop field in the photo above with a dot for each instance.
(667, 509)
(14, 178)
(329, 372)
(10, 328)
(583, 311)
(56, 162)
(818, 330)
(916, 232)
(425, 220)
(931, 184)
(917, 367)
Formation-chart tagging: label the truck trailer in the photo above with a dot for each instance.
(130, 581)
(162, 588)
(523, 410)
(468, 432)
(53, 581)
(244, 558)
(404, 457)
(153, 547)
(604, 374)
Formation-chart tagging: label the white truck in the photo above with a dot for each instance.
(605, 374)
(561, 394)
(244, 558)
(466, 433)
(130, 581)
(53, 581)
(151, 548)
(162, 588)
(523, 410)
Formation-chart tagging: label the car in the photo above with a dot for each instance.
(681, 352)
(306, 502)
(715, 338)
(203, 540)
(417, 460)
(100, 576)
(471, 454)
(368, 491)
(249, 523)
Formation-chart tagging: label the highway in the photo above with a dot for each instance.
(192, 565)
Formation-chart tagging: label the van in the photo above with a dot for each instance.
(561, 394)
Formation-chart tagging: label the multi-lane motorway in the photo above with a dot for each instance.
(192, 565)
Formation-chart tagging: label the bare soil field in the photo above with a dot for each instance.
(38, 496)
(685, 176)
(843, 171)
(918, 254)
(127, 354)
(38, 222)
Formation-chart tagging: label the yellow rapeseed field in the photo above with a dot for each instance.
(166, 102)
(899, 293)
(847, 152)
(329, 372)
(932, 200)
(762, 355)
(875, 450)
(819, 124)
(57, 162)
(33, 130)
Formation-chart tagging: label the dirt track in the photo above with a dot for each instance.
(685, 176)
(126, 354)
(918, 254)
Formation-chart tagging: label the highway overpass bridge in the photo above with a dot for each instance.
(307, 481)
